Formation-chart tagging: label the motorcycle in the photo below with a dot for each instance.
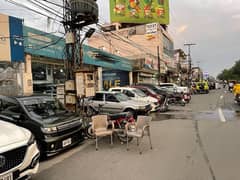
(187, 97)
(119, 120)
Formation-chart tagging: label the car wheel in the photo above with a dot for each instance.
(131, 112)
(89, 132)
(90, 112)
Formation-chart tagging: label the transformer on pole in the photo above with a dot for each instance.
(76, 15)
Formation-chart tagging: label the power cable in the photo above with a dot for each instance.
(55, 4)
(44, 8)
(30, 9)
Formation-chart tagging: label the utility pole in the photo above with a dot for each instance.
(159, 65)
(76, 15)
(189, 45)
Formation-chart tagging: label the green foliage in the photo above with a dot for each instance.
(232, 73)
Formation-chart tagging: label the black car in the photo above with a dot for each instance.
(55, 129)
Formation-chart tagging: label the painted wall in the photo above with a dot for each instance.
(11, 39)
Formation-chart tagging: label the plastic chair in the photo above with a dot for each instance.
(100, 127)
(142, 128)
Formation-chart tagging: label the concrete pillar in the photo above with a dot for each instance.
(100, 79)
(130, 78)
(27, 80)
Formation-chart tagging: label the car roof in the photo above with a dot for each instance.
(166, 83)
(129, 88)
(107, 92)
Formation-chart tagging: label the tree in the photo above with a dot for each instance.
(231, 74)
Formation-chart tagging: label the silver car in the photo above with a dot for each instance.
(115, 102)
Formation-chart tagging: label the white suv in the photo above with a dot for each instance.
(19, 155)
(137, 95)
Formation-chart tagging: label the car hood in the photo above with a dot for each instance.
(148, 99)
(61, 118)
(18, 136)
(137, 102)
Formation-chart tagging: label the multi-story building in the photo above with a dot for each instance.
(142, 45)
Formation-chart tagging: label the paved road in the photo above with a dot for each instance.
(195, 142)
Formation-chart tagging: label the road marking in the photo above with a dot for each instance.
(221, 115)
(221, 97)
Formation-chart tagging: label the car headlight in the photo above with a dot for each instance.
(49, 130)
(31, 140)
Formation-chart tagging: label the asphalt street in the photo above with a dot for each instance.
(195, 142)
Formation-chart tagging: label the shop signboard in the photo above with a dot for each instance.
(11, 39)
(103, 59)
(40, 43)
(139, 11)
(115, 78)
(151, 30)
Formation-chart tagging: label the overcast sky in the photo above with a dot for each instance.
(214, 25)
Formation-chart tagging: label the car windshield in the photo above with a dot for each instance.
(139, 92)
(122, 97)
(166, 85)
(43, 107)
(151, 91)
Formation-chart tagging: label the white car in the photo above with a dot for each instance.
(175, 88)
(137, 95)
(19, 155)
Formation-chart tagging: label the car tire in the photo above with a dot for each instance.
(90, 111)
(131, 112)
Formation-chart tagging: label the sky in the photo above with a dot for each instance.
(213, 25)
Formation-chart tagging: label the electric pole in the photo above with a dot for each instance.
(76, 15)
(159, 65)
(189, 45)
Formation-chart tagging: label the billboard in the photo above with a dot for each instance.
(11, 39)
(139, 11)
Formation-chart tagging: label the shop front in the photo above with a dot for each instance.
(46, 56)
(112, 70)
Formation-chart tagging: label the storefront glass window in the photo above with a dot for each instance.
(39, 71)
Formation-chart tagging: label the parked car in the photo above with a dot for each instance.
(154, 88)
(148, 92)
(116, 102)
(55, 129)
(175, 88)
(138, 95)
(162, 99)
(19, 154)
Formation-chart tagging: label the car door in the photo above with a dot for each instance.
(112, 105)
(98, 102)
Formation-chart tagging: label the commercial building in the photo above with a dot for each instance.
(142, 45)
